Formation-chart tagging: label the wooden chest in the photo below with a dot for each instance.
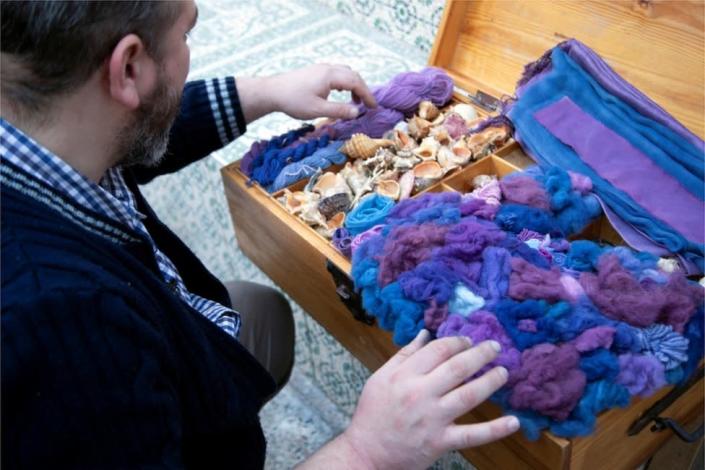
(657, 46)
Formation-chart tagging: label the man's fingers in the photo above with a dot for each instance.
(466, 397)
(335, 110)
(460, 367)
(436, 353)
(405, 352)
(471, 435)
(346, 79)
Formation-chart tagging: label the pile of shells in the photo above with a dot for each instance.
(410, 158)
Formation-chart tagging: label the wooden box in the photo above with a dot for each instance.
(484, 44)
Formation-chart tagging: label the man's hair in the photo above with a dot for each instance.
(50, 48)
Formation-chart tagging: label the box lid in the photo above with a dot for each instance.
(656, 45)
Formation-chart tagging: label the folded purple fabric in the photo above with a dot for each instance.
(622, 165)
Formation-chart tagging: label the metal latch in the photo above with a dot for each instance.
(661, 423)
(481, 99)
(345, 289)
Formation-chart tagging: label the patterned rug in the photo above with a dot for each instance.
(236, 37)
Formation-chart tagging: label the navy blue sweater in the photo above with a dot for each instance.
(103, 366)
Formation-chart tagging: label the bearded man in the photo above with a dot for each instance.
(119, 348)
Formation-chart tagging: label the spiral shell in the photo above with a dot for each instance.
(403, 141)
(330, 183)
(363, 146)
(485, 141)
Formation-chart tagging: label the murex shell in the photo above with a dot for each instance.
(389, 188)
(428, 111)
(479, 142)
(330, 183)
(426, 173)
(363, 146)
(334, 204)
(465, 110)
(419, 128)
(428, 149)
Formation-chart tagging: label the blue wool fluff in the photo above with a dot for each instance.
(583, 255)
(279, 142)
(304, 169)
(599, 365)
(573, 211)
(509, 312)
(634, 261)
(400, 308)
(568, 323)
(694, 331)
(598, 396)
(520, 249)
(494, 277)
(429, 280)
(407, 327)
(516, 217)
(371, 211)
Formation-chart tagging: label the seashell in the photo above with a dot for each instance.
(402, 126)
(465, 110)
(405, 161)
(426, 173)
(331, 205)
(403, 141)
(363, 146)
(447, 159)
(297, 201)
(419, 128)
(439, 120)
(389, 188)
(441, 135)
(481, 181)
(312, 216)
(461, 150)
(406, 185)
(428, 111)
(428, 149)
(330, 183)
(484, 142)
(336, 221)
(356, 176)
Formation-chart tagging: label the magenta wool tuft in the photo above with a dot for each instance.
(528, 281)
(406, 247)
(549, 380)
(525, 190)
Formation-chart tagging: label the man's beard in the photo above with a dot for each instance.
(144, 141)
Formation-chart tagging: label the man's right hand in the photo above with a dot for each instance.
(405, 416)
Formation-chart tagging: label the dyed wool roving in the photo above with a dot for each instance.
(582, 327)
(303, 169)
(397, 99)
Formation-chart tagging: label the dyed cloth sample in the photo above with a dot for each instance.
(662, 142)
(582, 327)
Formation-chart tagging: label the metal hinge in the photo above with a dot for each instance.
(661, 423)
(346, 292)
(485, 101)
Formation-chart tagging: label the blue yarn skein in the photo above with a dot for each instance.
(276, 159)
(279, 142)
(303, 169)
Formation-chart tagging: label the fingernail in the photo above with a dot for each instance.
(467, 340)
(352, 113)
(503, 372)
(513, 424)
(496, 346)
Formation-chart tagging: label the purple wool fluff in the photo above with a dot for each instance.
(641, 374)
(342, 241)
(372, 122)
(525, 190)
(580, 182)
(467, 239)
(531, 282)
(478, 207)
(360, 238)
(619, 295)
(491, 193)
(407, 246)
(482, 326)
(494, 277)
(435, 315)
(549, 380)
(594, 338)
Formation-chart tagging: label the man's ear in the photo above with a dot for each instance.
(131, 72)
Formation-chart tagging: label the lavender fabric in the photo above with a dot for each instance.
(620, 163)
